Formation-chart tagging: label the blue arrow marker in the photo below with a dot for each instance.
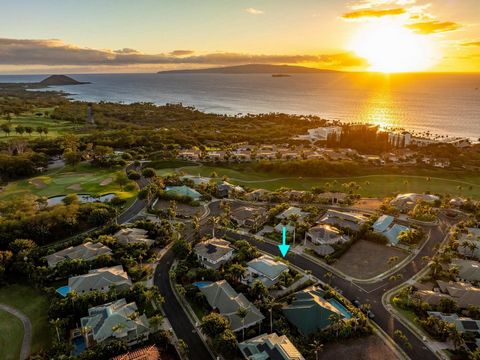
(284, 247)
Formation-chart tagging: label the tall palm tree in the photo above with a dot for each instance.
(328, 275)
(337, 321)
(56, 324)
(270, 303)
(196, 225)
(317, 347)
(242, 314)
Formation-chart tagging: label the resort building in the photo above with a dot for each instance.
(133, 236)
(248, 216)
(309, 312)
(265, 269)
(184, 191)
(221, 296)
(88, 251)
(270, 346)
(116, 320)
(100, 279)
(385, 225)
(341, 219)
(213, 253)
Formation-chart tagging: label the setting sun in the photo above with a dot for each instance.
(392, 48)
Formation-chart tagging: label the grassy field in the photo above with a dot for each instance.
(55, 127)
(82, 180)
(371, 185)
(11, 335)
(34, 305)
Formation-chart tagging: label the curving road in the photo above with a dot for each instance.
(27, 329)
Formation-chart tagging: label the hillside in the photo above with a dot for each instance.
(251, 69)
(59, 80)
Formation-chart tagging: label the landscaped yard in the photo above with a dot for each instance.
(34, 305)
(84, 179)
(366, 259)
(371, 185)
(30, 119)
(11, 335)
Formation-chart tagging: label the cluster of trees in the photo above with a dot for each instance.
(29, 218)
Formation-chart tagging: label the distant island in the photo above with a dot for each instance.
(252, 69)
(281, 75)
(60, 80)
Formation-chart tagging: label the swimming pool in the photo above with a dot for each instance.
(64, 290)
(340, 308)
(201, 284)
(79, 345)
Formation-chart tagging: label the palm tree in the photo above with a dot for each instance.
(317, 347)
(270, 303)
(392, 260)
(214, 220)
(56, 323)
(337, 321)
(456, 337)
(196, 225)
(328, 275)
(155, 321)
(242, 314)
(237, 271)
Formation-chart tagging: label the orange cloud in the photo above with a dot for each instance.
(471, 43)
(372, 13)
(433, 26)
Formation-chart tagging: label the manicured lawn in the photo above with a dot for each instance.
(55, 127)
(371, 185)
(82, 180)
(33, 304)
(11, 335)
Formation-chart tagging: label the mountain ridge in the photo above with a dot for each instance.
(252, 69)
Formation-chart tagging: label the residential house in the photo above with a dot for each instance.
(258, 195)
(225, 189)
(221, 296)
(149, 352)
(292, 212)
(468, 270)
(332, 197)
(309, 312)
(100, 279)
(265, 269)
(408, 201)
(342, 219)
(116, 320)
(192, 155)
(289, 227)
(271, 346)
(196, 180)
(463, 324)
(213, 253)
(129, 236)
(250, 217)
(385, 225)
(464, 294)
(215, 156)
(183, 191)
(88, 251)
(325, 235)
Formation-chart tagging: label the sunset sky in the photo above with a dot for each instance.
(72, 36)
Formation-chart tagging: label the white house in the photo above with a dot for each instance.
(213, 253)
(265, 269)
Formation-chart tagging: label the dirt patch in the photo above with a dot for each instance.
(369, 204)
(75, 187)
(366, 259)
(182, 209)
(106, 181)
(38, 183)
(370, 348)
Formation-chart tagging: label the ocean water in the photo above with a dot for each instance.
(447, 104)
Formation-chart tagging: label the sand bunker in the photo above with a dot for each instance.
(38, 183)
(106, 182)
(75, 187)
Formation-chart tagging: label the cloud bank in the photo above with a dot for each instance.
(433, 26)
(375, 13)
(24, 52)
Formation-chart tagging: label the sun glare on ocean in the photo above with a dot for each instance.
(392, 48)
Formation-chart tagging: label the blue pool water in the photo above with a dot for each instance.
(340, 307)
(201, 284)
(78, 345)
(64, 290)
